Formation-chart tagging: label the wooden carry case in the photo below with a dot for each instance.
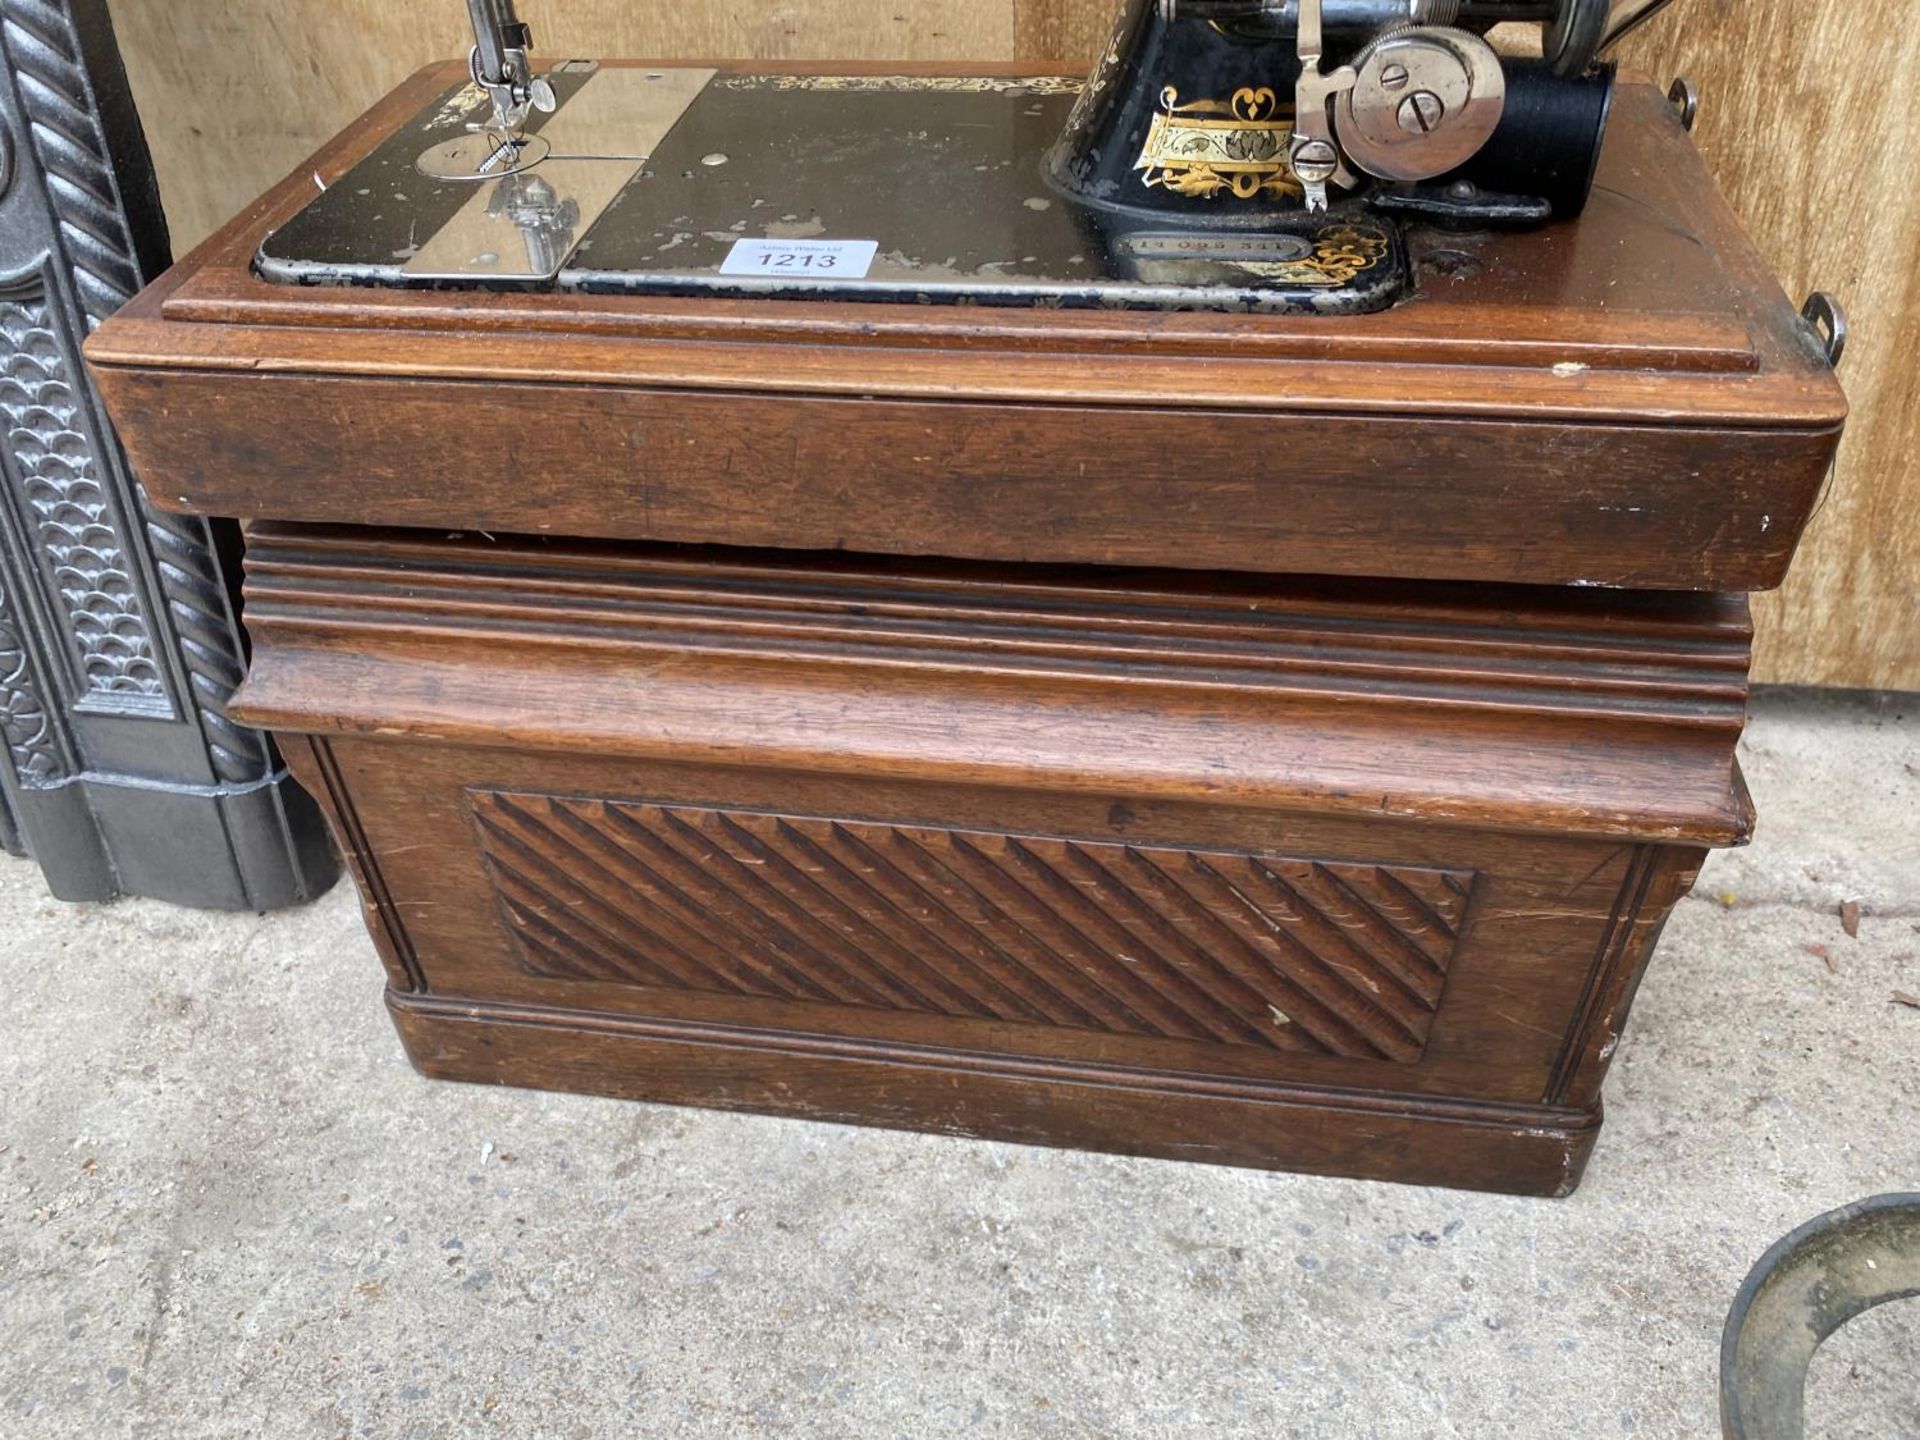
(1263, 739)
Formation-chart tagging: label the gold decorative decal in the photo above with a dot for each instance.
(457, 107)
(970, 84)
(1340, 252)
(1208, 147)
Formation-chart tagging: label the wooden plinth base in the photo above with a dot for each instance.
(1524, 1150)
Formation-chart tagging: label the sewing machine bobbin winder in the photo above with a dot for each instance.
(1197, 610)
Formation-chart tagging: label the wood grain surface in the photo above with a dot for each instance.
(979, 432)
(1808, 123)
(1348, 878)
(1784, 90)
(1805, 124)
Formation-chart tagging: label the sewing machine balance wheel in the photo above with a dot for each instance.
(1578, 34)
(1422, 103)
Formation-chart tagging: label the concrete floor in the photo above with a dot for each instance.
(228, 1207)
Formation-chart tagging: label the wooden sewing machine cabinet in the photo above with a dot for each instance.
(1256, 738)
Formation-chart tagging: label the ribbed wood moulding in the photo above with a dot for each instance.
(235, 96)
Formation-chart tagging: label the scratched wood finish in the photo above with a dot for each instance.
(234, 96)
(1342, 878)
(1850, 611)
(1227, 947)
(1770, 127)
(1608, 404)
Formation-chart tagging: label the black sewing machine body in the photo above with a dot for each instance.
(1177, 176)
(1193, 122)
(921, 189)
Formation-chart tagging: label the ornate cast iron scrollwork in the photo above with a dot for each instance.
(118, 639)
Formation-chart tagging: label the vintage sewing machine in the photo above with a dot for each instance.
(1244, 154)
(1197, 610)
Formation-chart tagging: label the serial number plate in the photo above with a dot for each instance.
(812, 259)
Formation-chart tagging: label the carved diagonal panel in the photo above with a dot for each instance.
(1230, 948)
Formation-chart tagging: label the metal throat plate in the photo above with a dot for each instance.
(927, 189)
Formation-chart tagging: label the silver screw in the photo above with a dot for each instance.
(1421, 111)
(1315, 161)
(1393, 77)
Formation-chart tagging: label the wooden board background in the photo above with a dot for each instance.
(1807, 120)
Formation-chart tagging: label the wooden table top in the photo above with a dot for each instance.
(1624, 400)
